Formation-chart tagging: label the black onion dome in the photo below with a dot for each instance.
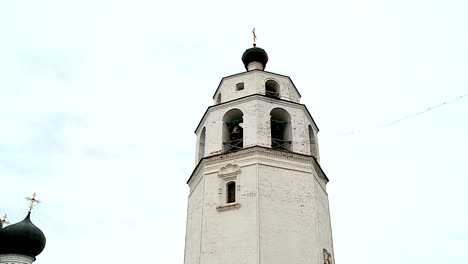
(22, 238)
(255, 54)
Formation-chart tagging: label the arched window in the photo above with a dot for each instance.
(218, 99)
(281, 131)
(201, 144)
(313, 147)
(231, 192)
(272, 89)
(233, 133)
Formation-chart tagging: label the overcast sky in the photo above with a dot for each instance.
(99, 101)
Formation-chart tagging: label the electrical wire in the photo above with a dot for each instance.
(400, 119)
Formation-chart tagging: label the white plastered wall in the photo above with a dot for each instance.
(194, 220)
(282, 214)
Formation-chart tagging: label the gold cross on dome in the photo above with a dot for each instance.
(32, 201)
(254, 38)
(5, 220)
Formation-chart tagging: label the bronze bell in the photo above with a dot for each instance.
(236, 130)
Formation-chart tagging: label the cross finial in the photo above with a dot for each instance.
(254, 38)
(5, 220)
(32, 201)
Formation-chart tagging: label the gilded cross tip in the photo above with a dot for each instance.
(254, 37)
(32, 201)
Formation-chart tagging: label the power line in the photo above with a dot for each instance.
(403, 118)
(422, 112)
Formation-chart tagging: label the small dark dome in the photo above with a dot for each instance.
(22, 238)
(255, 54)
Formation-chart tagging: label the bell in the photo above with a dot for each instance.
(236, 130)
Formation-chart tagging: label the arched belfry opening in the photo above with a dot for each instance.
(281, 131)
(233, 133)
(201, 144)
(312, 142)
(272, 89)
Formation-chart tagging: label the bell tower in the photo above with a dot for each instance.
(257, 194)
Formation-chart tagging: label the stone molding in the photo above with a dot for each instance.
(255, 150)
(229, 171)
(227, 207)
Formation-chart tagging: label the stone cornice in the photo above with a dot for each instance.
(195, 177)
(257, 150)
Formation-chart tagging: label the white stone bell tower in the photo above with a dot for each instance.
(257, 194)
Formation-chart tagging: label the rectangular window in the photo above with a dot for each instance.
(231, 192)
(240, 86)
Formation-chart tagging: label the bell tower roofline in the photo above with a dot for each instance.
(241, 73)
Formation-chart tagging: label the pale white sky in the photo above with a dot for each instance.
(99, 101)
